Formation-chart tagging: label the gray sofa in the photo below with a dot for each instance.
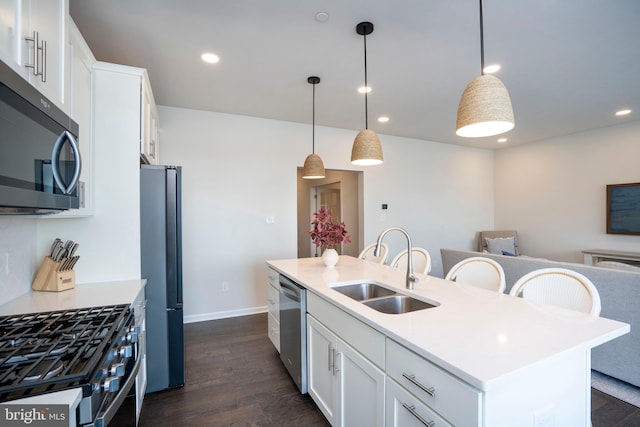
(619, 293)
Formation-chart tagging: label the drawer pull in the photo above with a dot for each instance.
(412, 378)
(412, 411)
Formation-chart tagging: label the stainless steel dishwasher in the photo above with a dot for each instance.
(293, 331)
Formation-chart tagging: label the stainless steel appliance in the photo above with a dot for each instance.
(39, 154)
(293, 331)
(161, 258)
(94, 349)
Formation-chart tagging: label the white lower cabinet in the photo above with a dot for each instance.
(273, 305)
(439, 391)
(322, 386)
(405, 410)
(348, 388)
(139, 309)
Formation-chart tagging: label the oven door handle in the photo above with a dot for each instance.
(104, 418)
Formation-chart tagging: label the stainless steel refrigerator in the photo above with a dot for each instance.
(161, 262)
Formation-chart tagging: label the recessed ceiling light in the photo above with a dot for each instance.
(210, 58)
(383, 119)
(364, 89)
(502, 140)
(322, 16)
(490, 69)
(623, 112)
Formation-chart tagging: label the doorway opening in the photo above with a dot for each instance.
(341, 192)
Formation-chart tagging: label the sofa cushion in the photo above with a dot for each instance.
(500, 244)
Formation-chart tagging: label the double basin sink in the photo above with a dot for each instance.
(382, 299)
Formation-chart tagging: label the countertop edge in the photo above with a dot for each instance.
(82, 295)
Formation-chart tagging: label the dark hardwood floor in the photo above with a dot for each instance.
(234, 377)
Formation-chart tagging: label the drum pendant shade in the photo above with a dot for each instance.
(484, 109)
(313, 166)
(366, 149)
(485, 106)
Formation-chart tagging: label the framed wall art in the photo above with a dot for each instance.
(623, 208)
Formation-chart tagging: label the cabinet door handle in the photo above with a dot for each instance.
(431, 391)
(412, 411)
(34, 64)
(43, 61)
(336, 365)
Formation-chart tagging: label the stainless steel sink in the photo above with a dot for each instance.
(364, 291)
(382, 299)
(397, 304)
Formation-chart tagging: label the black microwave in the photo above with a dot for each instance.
(39, 155)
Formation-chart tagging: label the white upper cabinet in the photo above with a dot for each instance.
(79, 106)
(148, 125)
(33, 41)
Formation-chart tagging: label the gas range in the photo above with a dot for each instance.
(94, 349)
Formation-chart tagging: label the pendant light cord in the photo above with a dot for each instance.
(313, 121)
(366, 86)
(481, 42)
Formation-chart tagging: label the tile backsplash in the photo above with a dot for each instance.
(18, 253)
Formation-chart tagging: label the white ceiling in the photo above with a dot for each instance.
(568, 64)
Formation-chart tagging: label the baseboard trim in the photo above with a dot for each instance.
(224, 314)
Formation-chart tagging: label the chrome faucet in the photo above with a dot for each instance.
(411, 278)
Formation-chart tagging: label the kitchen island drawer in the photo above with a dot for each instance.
(450, 397)
(273, 327)
(357, 334)
(273, 302)
(403, 409)
(273, 278)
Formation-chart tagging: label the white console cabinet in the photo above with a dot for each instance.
(594, 256)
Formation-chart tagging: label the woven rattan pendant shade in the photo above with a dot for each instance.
(485, 106)
(484, 109)
(313, 167)
(366, 150)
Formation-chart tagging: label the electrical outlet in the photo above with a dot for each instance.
(225, 286)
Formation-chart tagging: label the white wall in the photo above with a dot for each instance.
(554, 192)
(18, 243)
(237, 170)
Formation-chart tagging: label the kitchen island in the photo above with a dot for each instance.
(497, 360)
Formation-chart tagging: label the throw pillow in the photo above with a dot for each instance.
(499, 244)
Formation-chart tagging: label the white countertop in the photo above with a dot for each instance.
(83, 295)
(478, 335)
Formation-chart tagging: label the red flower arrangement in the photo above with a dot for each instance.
(325, 232)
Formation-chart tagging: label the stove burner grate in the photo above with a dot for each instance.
(47, 351)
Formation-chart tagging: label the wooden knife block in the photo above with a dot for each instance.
(49, 279)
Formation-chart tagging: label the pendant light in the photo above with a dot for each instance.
(485, 106)
(366, 150)
(313, 166)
